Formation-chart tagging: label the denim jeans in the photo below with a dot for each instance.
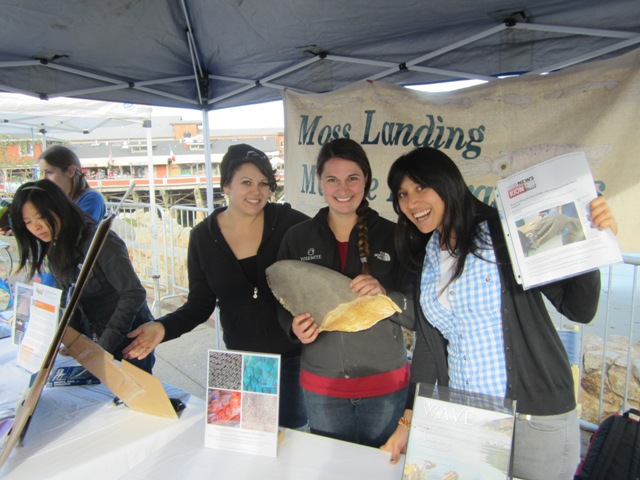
(367, 421)
(547, 447)
(292, 411)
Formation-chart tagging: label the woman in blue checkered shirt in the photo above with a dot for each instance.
(477, 330)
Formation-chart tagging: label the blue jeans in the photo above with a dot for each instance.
(547, 447)
(368, 421)
(292, 411)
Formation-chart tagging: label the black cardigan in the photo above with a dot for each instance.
(538, 371)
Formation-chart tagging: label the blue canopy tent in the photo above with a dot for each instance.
(211, 54)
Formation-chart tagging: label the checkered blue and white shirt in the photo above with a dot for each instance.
(469, 317)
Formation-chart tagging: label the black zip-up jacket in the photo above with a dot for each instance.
(215, 275)
(538, 371)
(113, 301)
(379, 349)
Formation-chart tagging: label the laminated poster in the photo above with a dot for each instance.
(242, 402)
(458, 436)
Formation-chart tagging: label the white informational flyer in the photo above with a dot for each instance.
(243, 391)
(545, 217)
(44, 314)
(458, 436)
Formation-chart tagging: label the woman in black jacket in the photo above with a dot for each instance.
(354, 383)
(49, 226)
(479, 330)
(227, 257)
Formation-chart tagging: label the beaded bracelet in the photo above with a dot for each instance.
(404, 422)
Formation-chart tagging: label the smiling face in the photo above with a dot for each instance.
(343, 184)
(35, 223)
(60, 177)
(421, 205)
(248, 190)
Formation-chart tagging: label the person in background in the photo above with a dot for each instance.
(49, 226)
(227, 257)
(477, 330)
(355, 383)
(62, 166)
(5, 218)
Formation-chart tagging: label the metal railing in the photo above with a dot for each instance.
(609, 345)
(147, 242)
(181, 220)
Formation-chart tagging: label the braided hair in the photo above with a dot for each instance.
(351, 150)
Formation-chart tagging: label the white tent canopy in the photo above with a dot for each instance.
(210, 54)
(23, 114)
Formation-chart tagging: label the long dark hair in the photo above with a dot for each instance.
(65, 220)
(351, 150)
(463, 212)
(63, 158)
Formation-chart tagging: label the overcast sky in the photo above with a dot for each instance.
(263, 115)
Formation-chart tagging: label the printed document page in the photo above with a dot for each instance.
(44, 314)
(545, 217)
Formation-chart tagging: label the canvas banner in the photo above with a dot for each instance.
(491, 131)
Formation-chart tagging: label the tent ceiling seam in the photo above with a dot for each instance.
(268, 79)
(83, 73)
(203, 80)
(166, 95)
(588, 56)
(591, 32)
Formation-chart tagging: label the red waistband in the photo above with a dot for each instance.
(361, 387)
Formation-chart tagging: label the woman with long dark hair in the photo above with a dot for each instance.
(352, 381)
(49, 226)
(477, 330)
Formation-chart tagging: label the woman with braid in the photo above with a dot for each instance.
(351, 381)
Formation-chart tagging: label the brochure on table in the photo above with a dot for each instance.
(545, 217)
(44, 314)
(243, 391)
(458, 435)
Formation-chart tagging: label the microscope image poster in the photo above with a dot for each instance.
(242, 402)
